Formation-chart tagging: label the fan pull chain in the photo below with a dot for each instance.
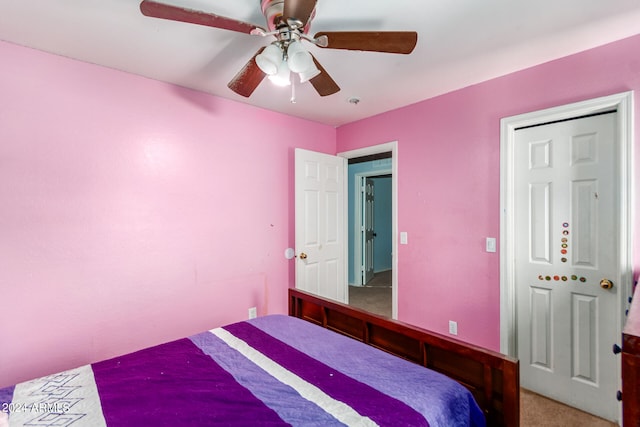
(293, 91)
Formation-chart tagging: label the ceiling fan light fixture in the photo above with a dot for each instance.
(270, 60)
(307, 75)
(298, 58)
(283, 76)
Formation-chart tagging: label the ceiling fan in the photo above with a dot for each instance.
(288, 21)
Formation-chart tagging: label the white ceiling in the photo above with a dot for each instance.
(460, 42)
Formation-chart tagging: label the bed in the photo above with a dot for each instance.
(273, 370)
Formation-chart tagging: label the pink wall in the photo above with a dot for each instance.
(449, 181)
(133, 212)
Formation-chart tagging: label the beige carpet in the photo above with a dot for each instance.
(375, 297)
(535, 410)
(375, 300)
(382, 279)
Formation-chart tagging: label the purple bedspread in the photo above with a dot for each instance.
(273, 370)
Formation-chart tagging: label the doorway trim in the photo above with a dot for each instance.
(623, 104)
(367, 151)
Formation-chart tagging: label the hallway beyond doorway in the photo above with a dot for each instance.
(375, 297)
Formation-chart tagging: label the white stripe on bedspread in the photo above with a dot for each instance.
(62, 399)
(342, 412)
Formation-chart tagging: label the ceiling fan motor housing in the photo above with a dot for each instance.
(273, 11)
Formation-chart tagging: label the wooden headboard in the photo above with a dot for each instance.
(492, 378)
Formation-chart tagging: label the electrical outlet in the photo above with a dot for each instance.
(453, 327)
(253, 313)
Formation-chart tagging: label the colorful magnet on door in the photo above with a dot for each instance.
(565, 232)
(564, 278)
(565, 224)
(564, 240)
(563, 259)
(556, 278)
(583, 279)
(547, 278)
(541, 277)
(563, 251)
(574, 277)
(564, 245)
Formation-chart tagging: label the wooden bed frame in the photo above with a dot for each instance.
(492, 378)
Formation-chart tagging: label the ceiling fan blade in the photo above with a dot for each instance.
(299, 9)
(175, 13)
(248, 78)
(373, 41)
(323, 83)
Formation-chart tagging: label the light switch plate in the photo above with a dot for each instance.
(404, 238)
(491, 244)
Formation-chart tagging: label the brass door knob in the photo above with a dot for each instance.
(606, 284)
(303, 255)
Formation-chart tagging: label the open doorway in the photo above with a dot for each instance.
(370, 231)
(388, 147)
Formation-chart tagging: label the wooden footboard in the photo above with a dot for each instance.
(493, 378)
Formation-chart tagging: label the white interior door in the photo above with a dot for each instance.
(320, 224)
(368, 224)
(566, 242)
